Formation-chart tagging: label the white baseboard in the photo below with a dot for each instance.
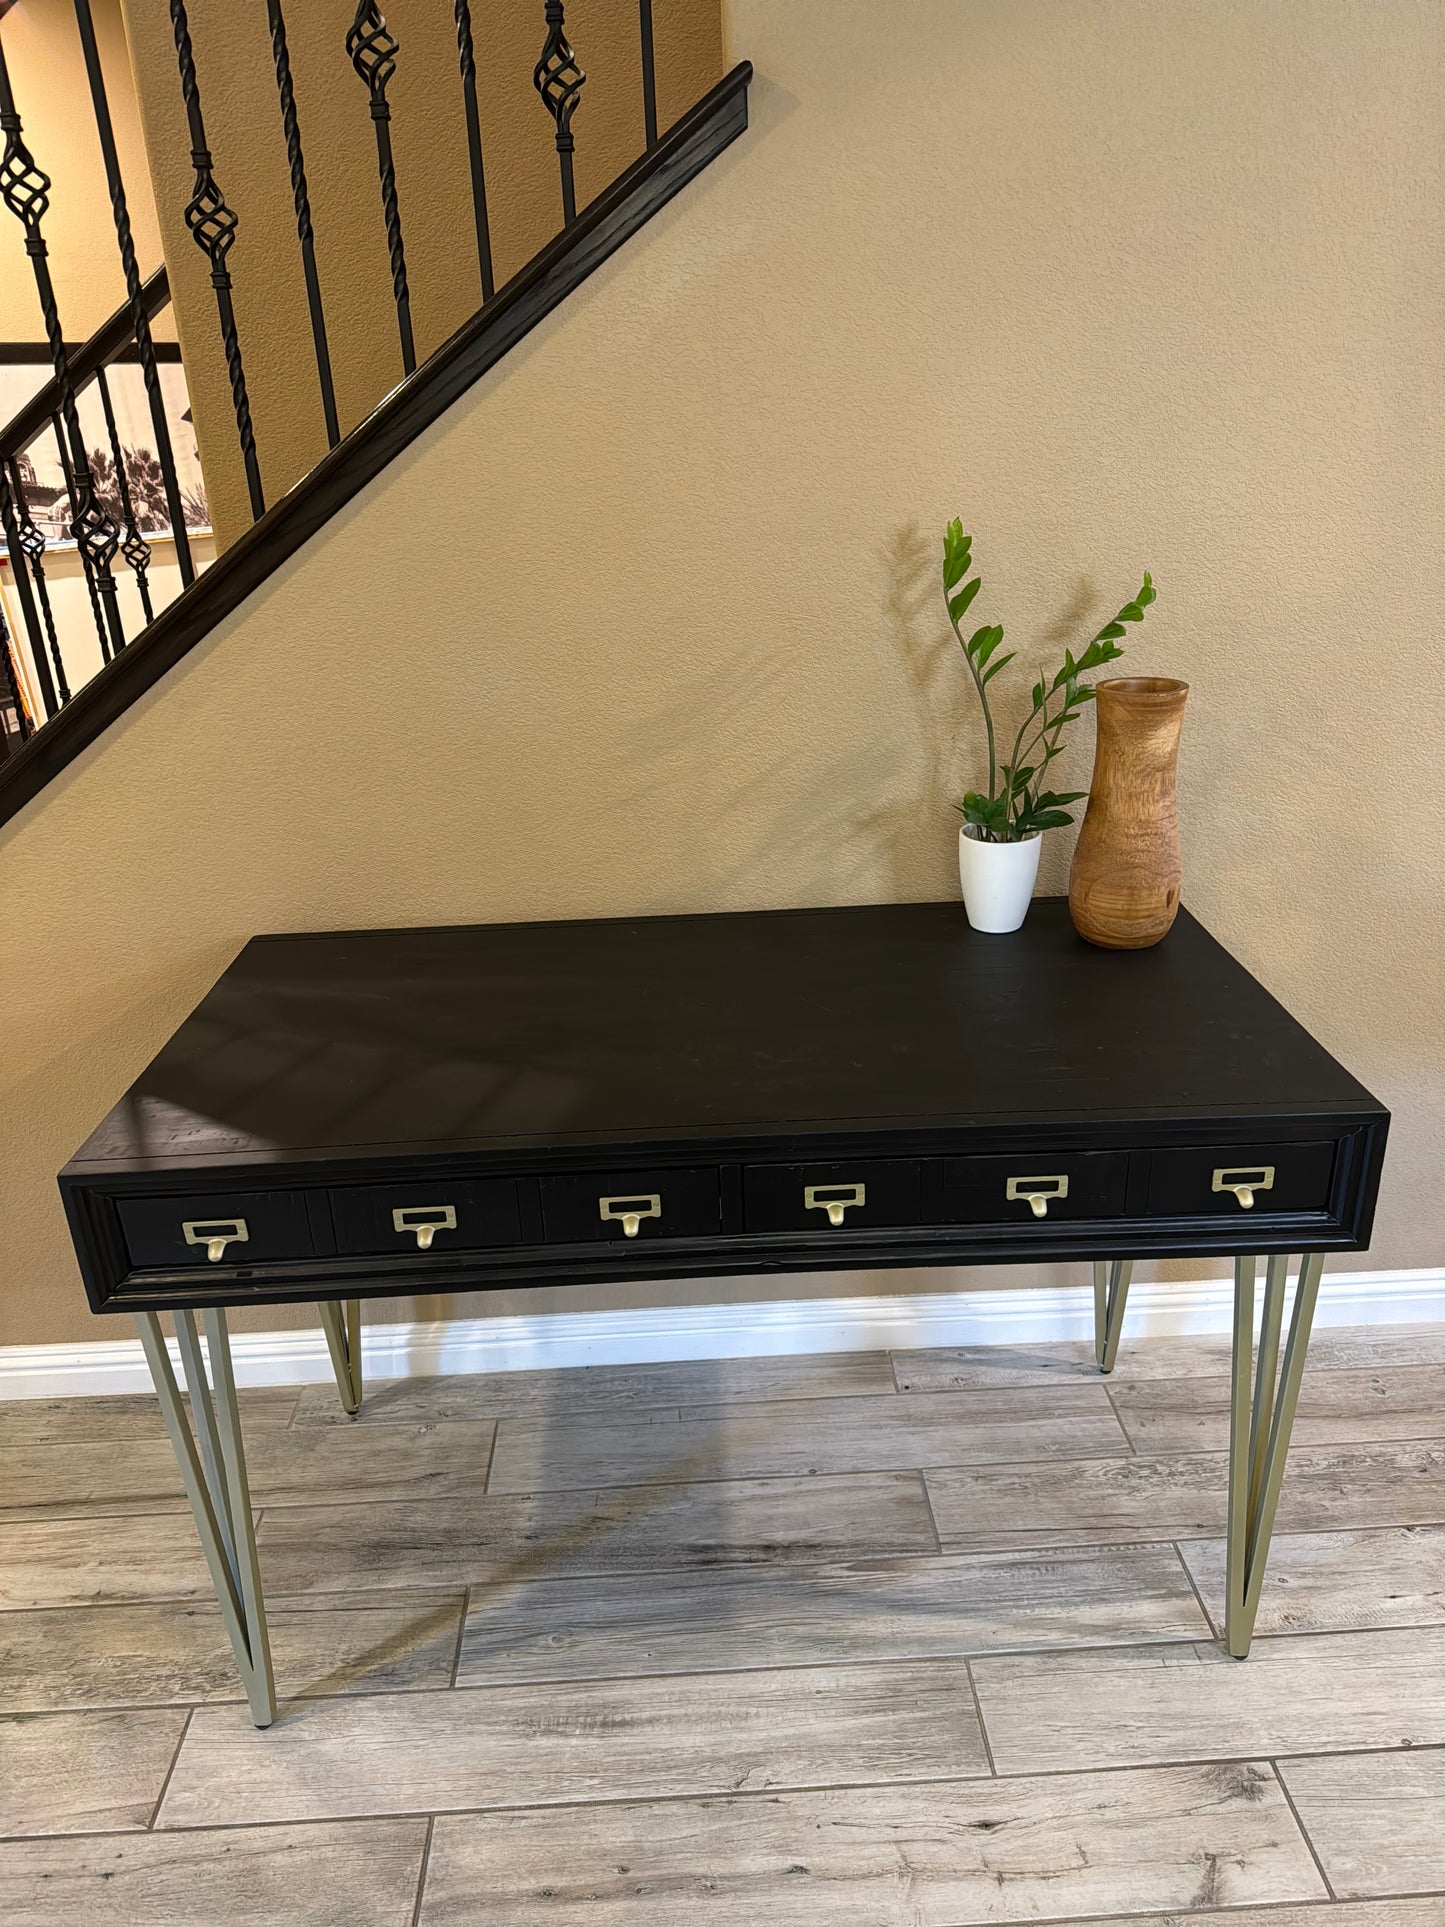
(635, 1337)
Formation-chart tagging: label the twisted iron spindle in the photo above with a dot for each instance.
(466, 58)
(26, 192)
(140, 321)
(373, 50)
(22, 538)
(281, 54)
(133, 546)
(213, 229)
(558, 79)
(649, 73)
(12, 681)
(92, 584)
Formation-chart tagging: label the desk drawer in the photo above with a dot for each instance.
(1032, 1186)
(1215, 1180)
(240, 1228)
(428, 1214)
(606, 1206)
(824, 1198)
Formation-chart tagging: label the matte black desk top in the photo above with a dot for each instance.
(748, 1025)
(351, 1114)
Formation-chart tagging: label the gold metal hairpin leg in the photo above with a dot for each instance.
(1263, 1402)
(1111, 1294)
(342, 1325)
(213, 1472)
(1264, 1396)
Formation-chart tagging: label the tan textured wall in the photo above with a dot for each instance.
(47, 71)
(1127, 284)
(237, 80)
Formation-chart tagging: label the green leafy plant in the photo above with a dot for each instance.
(1016, 804)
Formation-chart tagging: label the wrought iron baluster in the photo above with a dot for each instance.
(649, 73)
(24, 540)
(213, 229)
(134, 546)
(67, 469)
(558, 79)
(20, 563)
(26, 192)
(304, 233)
(12, 681)
(140, 322)
(373, 50)
(466, 57)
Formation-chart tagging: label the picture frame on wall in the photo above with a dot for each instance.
(25, 367)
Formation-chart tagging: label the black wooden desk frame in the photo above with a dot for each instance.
(668, 1097)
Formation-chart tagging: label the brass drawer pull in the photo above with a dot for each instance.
(631, 1210)
(1244, 1180)
(426, 1220)
(835, 1199)
(1038, 1191)
(215, 1234)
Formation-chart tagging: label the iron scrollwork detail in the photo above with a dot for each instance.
(373, 48)
(212, 224)
(558, 79)
(24, 187)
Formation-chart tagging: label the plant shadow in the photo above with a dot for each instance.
(946, 720)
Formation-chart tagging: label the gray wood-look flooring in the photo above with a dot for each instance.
(829, 1642)
(404, 1463)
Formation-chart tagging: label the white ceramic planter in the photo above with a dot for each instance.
(997, 878)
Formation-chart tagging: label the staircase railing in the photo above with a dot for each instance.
(135, 491)
(48, 711)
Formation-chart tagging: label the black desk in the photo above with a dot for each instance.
(382, 1112)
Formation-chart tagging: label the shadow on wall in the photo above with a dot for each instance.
(871, 819)
(925, 648)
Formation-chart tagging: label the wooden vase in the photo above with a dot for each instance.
(1124, 883)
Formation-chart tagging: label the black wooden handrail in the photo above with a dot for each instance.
(110, 339)
(596, 233)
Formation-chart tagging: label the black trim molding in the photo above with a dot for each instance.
(24, 354)
(598, 231)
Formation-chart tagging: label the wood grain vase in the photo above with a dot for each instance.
(1124, 883)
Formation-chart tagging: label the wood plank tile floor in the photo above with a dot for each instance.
(855, 1641)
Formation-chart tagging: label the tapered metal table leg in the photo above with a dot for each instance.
(342, 1325)
(1262, 1416)
(1111, 1294)
(213, 1473)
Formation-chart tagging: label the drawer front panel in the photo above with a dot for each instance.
(1216, 1180)
(1030, 1187)
(626, 1206)
(429, 1214)
(824, 1198)
(235, 1228)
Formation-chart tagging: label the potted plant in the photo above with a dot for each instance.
(999, 839)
